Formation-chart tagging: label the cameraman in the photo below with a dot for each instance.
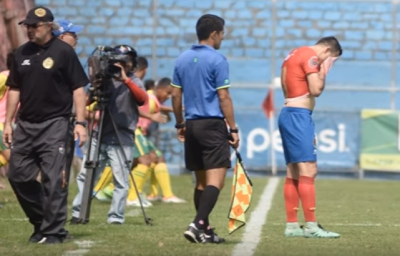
(125, 95)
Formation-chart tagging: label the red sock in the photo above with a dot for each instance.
(307, 196)
(291, 194)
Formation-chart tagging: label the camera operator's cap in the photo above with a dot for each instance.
(37, 15)
(124, 49)
(67, 26)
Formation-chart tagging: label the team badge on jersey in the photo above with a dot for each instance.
(40, 12)
(48, 63)
(313, 62)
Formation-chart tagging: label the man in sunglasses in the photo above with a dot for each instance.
(67, 32)
(46, 78)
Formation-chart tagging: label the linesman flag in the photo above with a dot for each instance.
(241, 196)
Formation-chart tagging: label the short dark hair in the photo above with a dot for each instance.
(10, 59)
(149, 84)
(164, 82)
(332, 42)
(142, 63)
(207, 24)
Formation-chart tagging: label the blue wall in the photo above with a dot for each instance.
(363, 28)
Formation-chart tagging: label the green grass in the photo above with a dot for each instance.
(165, 237)
(341, 205)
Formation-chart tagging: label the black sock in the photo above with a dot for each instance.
(197, 196)
(196, 199)
(207, 202)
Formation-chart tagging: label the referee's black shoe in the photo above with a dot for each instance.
(213, 238)
(195, 235)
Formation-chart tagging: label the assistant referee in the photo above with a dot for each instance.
(202, 74)
(45, 78)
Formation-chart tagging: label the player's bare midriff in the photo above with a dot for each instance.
(302, 101)
(306, 101)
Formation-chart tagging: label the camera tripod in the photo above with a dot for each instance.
(92, 163)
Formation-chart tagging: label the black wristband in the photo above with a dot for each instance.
(84, 124)
(180, 126)
(233, 130)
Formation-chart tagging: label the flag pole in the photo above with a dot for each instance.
(271, 132)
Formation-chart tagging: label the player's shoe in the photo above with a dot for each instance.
(108, 192)
(294, 230)
(315, 230)
(136, 202)
(101, 196)
(153, 198)
(213, 238)
(194, 235)
(173, 199)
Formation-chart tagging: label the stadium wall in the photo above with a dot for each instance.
(259, 34)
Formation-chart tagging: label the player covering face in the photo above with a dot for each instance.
(303, 79)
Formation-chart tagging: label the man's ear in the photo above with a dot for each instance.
(213, 34)
(328, 49)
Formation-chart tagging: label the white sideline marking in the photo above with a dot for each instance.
(14, 219)
(84, 247)
(252, 233)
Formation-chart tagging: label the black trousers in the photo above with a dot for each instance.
(41, 146)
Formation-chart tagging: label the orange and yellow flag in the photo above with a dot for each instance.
(240, 198)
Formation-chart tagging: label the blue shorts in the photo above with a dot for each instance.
(298, 135)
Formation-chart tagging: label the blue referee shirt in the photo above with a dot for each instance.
(200, 72)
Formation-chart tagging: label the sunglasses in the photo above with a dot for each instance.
(71, 34)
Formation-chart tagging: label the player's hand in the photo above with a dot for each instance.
(234, 140)
(123, 76)
(7, 135)
(80, 133)
(328, 64)
(159, 118)
(181, 134)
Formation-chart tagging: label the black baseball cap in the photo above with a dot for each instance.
(36, 15)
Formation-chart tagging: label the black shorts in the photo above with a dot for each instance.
(206, 144)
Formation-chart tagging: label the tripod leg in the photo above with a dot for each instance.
(127, 162)
(87, 195)
(91, 165)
